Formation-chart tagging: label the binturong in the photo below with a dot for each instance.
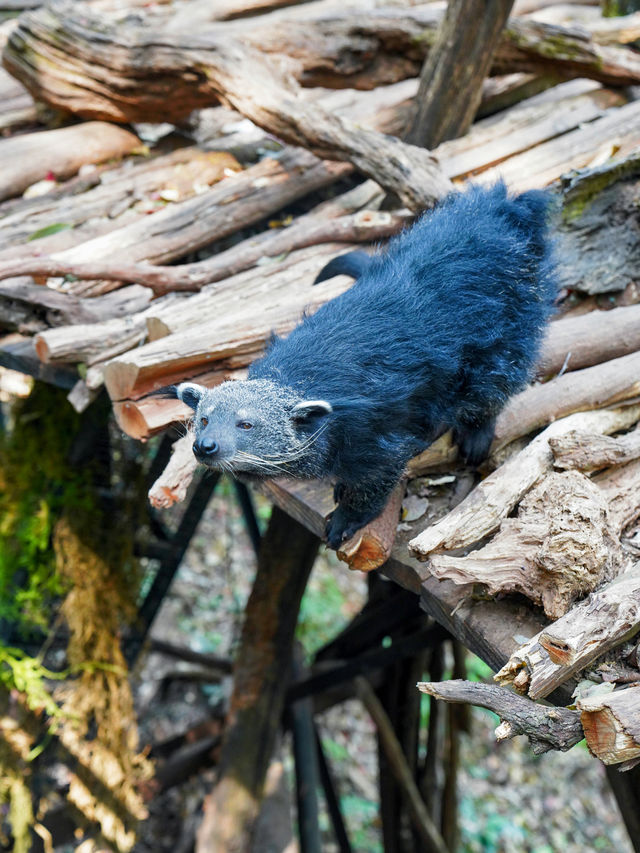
(438, 331)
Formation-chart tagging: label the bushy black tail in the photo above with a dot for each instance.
(353, 264)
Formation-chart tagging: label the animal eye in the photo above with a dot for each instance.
(204, 421)
(244, 425)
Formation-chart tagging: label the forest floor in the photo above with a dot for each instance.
(510, 801)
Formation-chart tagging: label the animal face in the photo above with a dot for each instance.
(254, 427)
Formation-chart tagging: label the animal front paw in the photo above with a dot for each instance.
(340, 527)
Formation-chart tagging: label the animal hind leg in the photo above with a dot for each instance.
(474, 440)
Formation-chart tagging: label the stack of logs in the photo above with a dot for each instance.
(561, 509)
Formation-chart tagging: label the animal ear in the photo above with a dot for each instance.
(308, 409)
(189, 393)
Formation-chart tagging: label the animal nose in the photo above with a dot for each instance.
(207, 447)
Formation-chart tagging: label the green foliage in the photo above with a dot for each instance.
(477, 669)
(19, 671)
(35, 484)
(49, 229)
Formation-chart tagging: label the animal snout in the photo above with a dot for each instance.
(206, 448)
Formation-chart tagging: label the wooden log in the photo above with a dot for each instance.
(585, 451)
(481, 512)
(31, 157)
(546, 728)
(616, 133)
(171, 486)
(599, 211)
(458, 60)
(261, 668)
(232, 333)
(340, 49)
(493, 140)
(591, 628)
(591, 388)
(372, 544)
(561, 546)
(577, 342)
(233, 203)
(611, 724)
(244, 77)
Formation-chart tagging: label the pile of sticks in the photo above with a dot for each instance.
(297, 101)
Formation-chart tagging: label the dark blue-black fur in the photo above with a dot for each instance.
(438, 332)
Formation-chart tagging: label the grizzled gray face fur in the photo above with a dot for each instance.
(257, 427)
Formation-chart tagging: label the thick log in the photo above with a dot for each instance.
(561, 546)
(227, 332)
(338, 49)
(261, 672)
(611, 724)
(29, 158)
(585, 451)
(171, 486)
(546, 728)
(591, 388)
(245, 78)
(616, 133)
(591, 628)
(592, 338)
(482, 511)
(458, 61)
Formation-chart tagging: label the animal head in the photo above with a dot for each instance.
(255, 426)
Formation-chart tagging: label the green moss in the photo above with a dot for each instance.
(580, 189)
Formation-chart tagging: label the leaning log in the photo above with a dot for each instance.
(481, 512)
(172, 484)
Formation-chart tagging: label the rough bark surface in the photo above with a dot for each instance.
(458, 62)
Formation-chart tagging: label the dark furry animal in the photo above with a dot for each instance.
(438, 332)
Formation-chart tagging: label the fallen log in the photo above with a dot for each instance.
(615, 133)
(338, 49)
(591, 628)
(590, 388)
(585, 451)
(481, 512)
(611, 724)
(561, 546)
(227, 332)
(245, 78)
(29, 158)
(546, 728)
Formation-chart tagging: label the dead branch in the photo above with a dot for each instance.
(365, 226)
(481, 512)
(591, 628)
(546, 728)
(560, 547)
(171, 486)
(585, 451)
(611, 724)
